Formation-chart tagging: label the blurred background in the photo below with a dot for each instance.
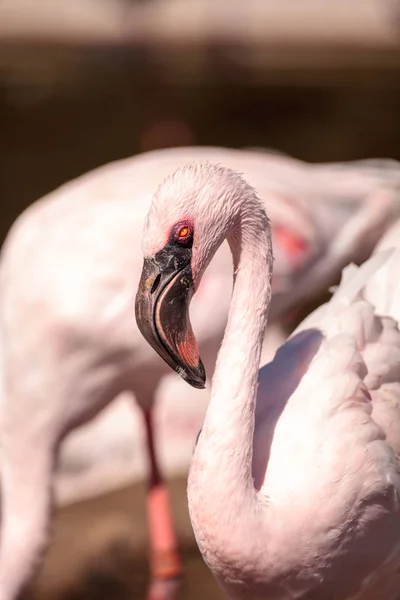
(84, 82)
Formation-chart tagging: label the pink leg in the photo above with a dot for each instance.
(165, 562)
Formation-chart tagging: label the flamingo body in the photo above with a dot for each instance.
(294, 484)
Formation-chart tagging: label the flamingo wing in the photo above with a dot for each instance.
(326, 445)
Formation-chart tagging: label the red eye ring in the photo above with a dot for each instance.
(183, 232)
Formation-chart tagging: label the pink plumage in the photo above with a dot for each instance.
(294, 484)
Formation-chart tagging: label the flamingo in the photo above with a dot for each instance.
(294, 484)
(69, 344)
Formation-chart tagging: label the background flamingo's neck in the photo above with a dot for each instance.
(220, 482)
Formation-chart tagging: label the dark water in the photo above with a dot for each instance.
(99, 550)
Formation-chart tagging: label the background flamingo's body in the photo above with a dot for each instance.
(69, 268)
(349, 219)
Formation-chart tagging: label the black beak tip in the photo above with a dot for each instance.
(200, 385)
(196, 378)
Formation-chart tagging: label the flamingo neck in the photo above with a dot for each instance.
(220, 481)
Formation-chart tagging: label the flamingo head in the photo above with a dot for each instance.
(190, 215)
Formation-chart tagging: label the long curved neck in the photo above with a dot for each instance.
(221, 469)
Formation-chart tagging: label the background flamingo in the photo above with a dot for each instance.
(79, 348)
(294, 491)
(106, 453)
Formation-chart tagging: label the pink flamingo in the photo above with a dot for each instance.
(294, 484)
(69, 344)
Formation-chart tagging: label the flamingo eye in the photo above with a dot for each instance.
(184, 233)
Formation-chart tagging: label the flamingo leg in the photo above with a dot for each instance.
(165, 561)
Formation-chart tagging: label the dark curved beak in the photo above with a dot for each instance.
(162, 312)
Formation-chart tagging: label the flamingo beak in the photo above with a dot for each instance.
(162, 312)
